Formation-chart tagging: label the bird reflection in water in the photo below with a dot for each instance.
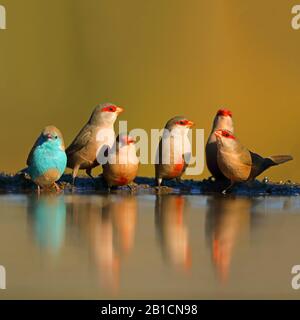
(47, 218)
(108, 223)
(172, 230)
(227, 221)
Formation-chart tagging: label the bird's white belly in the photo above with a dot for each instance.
(173, 150)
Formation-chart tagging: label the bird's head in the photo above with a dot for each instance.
(225, 137)
(179, 125)
(52, 136)
(223, 120)
(224, 113)
(105, 114)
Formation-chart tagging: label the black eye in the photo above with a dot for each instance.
(182, 122)
(56, 137)
(111, 109)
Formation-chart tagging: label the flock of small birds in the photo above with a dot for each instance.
(228, 161)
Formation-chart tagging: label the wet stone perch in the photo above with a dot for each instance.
(21, 184)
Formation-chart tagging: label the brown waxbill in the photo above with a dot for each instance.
(122, 162)
(223, 120)
(174, 150)
(83, 151)
(237, 163)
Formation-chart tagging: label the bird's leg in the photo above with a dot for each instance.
(228, 188)
(38, 190)
(132, 187)
(158, 182)
(89, 173)
(74, 174)
(57, 188)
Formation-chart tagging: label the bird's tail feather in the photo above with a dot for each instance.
(280, 159)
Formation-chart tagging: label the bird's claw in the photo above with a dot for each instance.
(57, 188)
(132, 187)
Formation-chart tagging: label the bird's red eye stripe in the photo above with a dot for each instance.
(182, 122)
(224, 112)
(226, 134)
(109, 109)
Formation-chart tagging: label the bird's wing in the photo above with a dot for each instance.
(29, 158)
(186, 163)
(81, 140)
(244, 155)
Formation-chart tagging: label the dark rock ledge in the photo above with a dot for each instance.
(21, 184)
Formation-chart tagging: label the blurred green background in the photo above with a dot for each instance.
(157, 58)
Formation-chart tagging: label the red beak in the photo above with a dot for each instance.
(119, 110)
(190, 123)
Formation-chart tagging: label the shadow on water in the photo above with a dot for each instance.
(108, 225)
(172, 230)
(118, 245)
(227, 221)
(47, 218)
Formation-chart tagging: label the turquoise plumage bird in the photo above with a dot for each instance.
(47, 159)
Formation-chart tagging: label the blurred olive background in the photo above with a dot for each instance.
(158, 58)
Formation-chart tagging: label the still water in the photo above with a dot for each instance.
(148, 246)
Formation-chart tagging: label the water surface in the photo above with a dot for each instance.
(148, 246)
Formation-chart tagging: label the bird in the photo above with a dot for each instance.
(87, 148)
(237, 163)
(47, 159)
(174, 150)
(122, 162)
(222, 120)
